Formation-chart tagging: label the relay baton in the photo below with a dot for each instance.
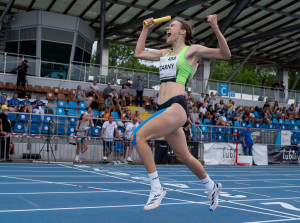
(162, 19)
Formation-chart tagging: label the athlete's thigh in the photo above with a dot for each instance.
(178, 144)
(164, 123)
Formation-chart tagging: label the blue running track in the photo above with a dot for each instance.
(103, 193)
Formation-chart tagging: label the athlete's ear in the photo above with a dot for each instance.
(182, 32)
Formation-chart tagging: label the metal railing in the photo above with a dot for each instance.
(87, 72)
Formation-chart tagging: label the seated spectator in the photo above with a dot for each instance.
(124, 92)
(267, 118)
(275, 106)
(208, 116)
(229, 107)
(279, 113)
(189, 104)
(114, 94)
(187, 131)
(123, 113)
(252, 116)
(236, 115)
(202, 97)
(90, 116)
(246, 116)
(38, 105)
(224, 119)
(223, 106)
(202, 111)
(90, 99)
(195, 116)
(284, 113)
(234, 106)
(137, 116)
(94, 104)
(108, 103)
(106, 114)
(14, 103)
(218, 120)
(128, 115)
(93, 88)
(190, 96)
(3, 99)
(25, 105)
(80, 95)
(291, 112)
(108, 90)
(266, 105)
(212, 99)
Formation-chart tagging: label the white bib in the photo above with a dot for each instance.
(167, 68)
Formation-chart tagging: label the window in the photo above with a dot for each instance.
(28, 47)
(56, 52)
(11, 47)
(78, 54)
(86, 57)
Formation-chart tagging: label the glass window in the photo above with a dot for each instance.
(52, 70)
(86, 57)
(11, 47)
(28, 47)
(78, 54)
(56, 52)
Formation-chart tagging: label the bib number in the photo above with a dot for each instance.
(167, 68)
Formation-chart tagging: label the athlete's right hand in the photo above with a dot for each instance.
(151, 23)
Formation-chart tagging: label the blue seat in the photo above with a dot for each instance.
(290, 127)
(295, 141)
(61, 120)
(72, 121)
(206, 121)
(287, 122)
(23, 118)
(213, 129)
(244, 124)
(60, 130)
(275, 121)
(220, 130)
(61, 104)
(36, 118)
(280, 121)
(236, 130)
(257, 125)
(264, 125)
(96, 131)
(271, 126)
(200, 121)
(34, 128)
(251, 124)
(71, 112)
(115, 115)
(101, 113)
(236, 124)
(81, 112)
(48, 119)
(231, 138)
(71, 129)
(277, 126)
(296, 128)
(119, 147)
(19, 128)
(46, 129)
(283, 127)
(293, 122)
(82, 105)
(11, 117)
(256, 115)
(204, 129)
(213, 137)
(274, 114)
(95, 113)
(72, 105)
(220, 138)
(298, 122)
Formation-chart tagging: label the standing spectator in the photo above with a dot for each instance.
(25, 105)
(22, 72)
(275, 87)
(107, 134)
(234, 106)
(93, 88)
(229, 107)
(107, 91)
(38, 105)
(14, 103)
(80, 95)
(5, 128)
(264, 86)
(247, 141)
(127, 134)
(187, 131)
(281, 92)
(82, 129)
(139, 86)
(3, 99)
(125, 93)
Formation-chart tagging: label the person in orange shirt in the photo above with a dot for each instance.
(106, 113)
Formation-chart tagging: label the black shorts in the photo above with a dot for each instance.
(21, 81)
(177, 99)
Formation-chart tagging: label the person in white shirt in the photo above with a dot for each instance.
(223, 117)
(127, 133)
(107, 134)
(202, 98)
(195, 116)
(202, 110)
(94, 88)
(234, 106)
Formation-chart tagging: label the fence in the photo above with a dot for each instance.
(86, 72)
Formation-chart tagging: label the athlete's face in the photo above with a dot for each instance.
(174, 31)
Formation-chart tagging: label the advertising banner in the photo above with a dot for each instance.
(282, 155)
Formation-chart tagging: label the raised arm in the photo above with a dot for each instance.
(140, 51)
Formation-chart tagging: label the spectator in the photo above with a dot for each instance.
(5, 127)
(264, 86)
(93, 88)
(14, 103)
(107, 91)
(223, 105)
(108, 103)
(234, 106)
(229, 107)
(218, 120)
(275, 87)
(266, 118)
(155, 102)
(224, 119)
(236, 115)
(80, 95)
(82, 128)
(202, 111)
(137, 116)
(212, 99)
(38, 105)
(127, 134)
(284, 114)
(114, 93)
(25, 105)
(266, 105)
(107, 134)
(3, 99)
(90, 99)
(139, 86)
(253, 118)
(187, 131)
(246, 116)
(297, 108)
(248, 142)
(190, 96)
(275, 107)
(106, 113)
(206, 99)
(124, 92)
(22, 72)
(195, 116)
(123, 113)
(90, 116)
(281, 92)
(128, 115)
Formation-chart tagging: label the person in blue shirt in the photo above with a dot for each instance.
(247, 141)
(25, 105)
(14, 103)
(38, 105)
(3, 99)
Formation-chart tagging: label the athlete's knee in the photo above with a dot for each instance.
(136, 138)
(183, 158)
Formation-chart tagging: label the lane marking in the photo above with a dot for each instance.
(251, 193)
(279, 220)
(88, 188)
(283, 204)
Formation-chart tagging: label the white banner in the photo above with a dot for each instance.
(225, 153)
(286, 137)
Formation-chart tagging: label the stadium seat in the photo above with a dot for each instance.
(73, 91)
(204, 129)
(277, 126)
(65, 91)
(71, 112)
(36, 118)
(81, 112)
(287, 122)
(206, 121)
(204, 137)
(29, 88)
(237, 124)
(115, 115)
(19, 128)
(38, 89)
(11, 117)
(1, 85)
(71, 129)
(61, 97)
(283, 127)
(244, 124)
(96, 131)
(50, 96)
(101, 113)
(71, 97)
(34, 128)
(256, 115)
(48, 119)
(220, 138)
(47, 89)
(290, 127)
(200, 121)
(213, 137)
(271, 126)
(72, 105)
(220, 130)
(60, 130)
(236, 130)
(298, 122)
(257, 125)
(296, 128)
(293, 122)
(119, 146)
(295, 141)
(275, 121)
(9, 86)
(251, 124)
(95, 113)
(82, 105)
(61, 120)
(73, 121)
(23, 118)
(280, 121)
(56, 90)
(46, 129)
(61, 104)
(264, 125)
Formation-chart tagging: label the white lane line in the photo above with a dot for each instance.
(242, 183)
(277, 182)
(279, 220)
(298, 192)
(251, 193)
(267, 199)
(30, 202)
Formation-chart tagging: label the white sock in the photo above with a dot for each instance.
(154, 180)
(208, 183)
(77, 158)
(80, 154)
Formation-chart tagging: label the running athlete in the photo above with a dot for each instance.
(176, 68)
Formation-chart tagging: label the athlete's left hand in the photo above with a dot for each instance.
(212, 20)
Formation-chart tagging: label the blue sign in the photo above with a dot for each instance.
(232, 94)
(223, 90)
